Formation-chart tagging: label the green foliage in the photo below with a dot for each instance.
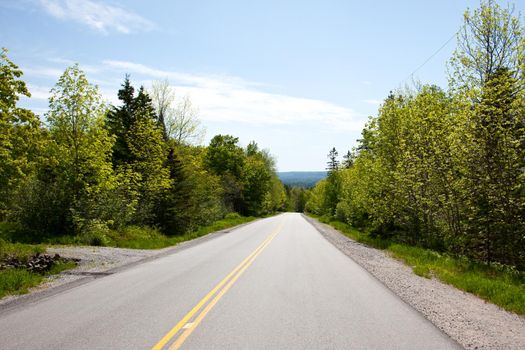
(21, 136)
(495, 140)
(148, 158)
(20, 250)
(18, 281)
(490, 38)
(117, 176)
(148, 238)
(256, 180)
(445, 170)
(224, 156)
(296, 199)
(78, 165)
(249, 180)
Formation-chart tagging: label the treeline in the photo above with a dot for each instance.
(91, 167)
(446, 169)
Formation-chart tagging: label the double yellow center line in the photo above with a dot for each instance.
(217, 293)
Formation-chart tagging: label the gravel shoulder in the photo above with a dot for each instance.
(471, 321)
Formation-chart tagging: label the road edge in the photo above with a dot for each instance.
(320, 227)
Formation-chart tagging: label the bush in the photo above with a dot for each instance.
(231, 216)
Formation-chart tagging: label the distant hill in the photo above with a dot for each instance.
(301, 178)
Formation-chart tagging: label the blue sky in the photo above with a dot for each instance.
(298, 77)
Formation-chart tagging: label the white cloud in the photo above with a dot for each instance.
(39, 92)
(219, 98)
(97, 15)
(373, 102)
(46, 72)
(230, 99)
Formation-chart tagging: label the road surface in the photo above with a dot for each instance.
(273, 284)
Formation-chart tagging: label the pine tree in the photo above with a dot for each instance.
(332, 164)
(495, 161)
(348, 160)
(119, 121)
(174, 206)
(147, 159)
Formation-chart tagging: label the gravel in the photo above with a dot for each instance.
(471, 321)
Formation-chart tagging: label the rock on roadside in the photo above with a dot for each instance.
(471, 321)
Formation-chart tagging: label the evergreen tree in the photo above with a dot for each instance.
(119, 121)
(332, 164)
(332, 187)
(147, 160)
(494, 172)
(174, 205)
(348, 160)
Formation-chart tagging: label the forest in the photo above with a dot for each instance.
(445, 169)
(87, 171)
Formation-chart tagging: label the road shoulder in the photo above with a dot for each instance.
(472, 322)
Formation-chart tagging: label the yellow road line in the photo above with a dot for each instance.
(203, 301)
(180, 340)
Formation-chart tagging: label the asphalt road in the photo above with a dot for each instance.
(273, 284)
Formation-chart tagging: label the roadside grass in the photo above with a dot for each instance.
(18, 280)
(20, 250)
(499, 284)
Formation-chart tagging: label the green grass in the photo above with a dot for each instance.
(20, 250)
(501, 285)
(18, 281)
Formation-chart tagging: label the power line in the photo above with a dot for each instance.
(431, 57)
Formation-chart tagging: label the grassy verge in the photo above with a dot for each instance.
(18, 281)
(498, 284)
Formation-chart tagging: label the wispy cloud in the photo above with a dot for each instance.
(97, 15)
(219, 98)
(373, 102)
(39, 92)
(46, 72)
(230, 99)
